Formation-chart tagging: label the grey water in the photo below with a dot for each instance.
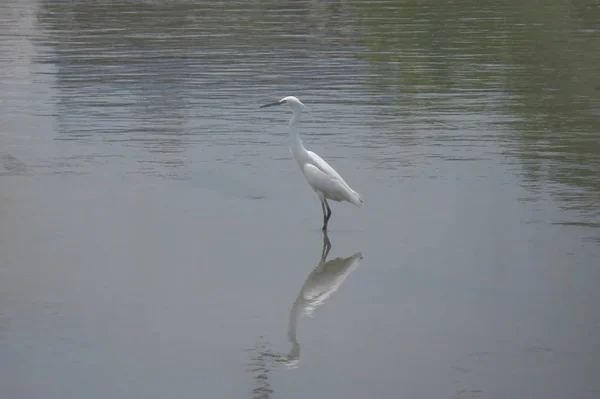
(157, 239)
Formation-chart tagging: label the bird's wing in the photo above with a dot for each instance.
(346, 193)
(331, 186)
(325, 167)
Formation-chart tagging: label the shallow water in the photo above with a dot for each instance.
(157, 239)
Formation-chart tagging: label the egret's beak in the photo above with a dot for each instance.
(272, 104)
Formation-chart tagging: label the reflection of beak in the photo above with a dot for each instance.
(292, 359)
(270, 105)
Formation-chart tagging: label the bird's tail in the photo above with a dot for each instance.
(356, 199)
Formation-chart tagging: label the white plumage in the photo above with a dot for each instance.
(322, 178)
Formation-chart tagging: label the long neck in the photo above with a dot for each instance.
(295, 143)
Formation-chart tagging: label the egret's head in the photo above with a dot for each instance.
(292, 101)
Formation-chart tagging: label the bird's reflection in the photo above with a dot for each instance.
(320, 284)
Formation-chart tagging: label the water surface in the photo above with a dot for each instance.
(157, 239)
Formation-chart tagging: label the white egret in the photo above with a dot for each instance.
(322, 178)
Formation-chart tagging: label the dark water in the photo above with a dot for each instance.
(157, 239)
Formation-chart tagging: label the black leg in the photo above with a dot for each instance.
(326, 216)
